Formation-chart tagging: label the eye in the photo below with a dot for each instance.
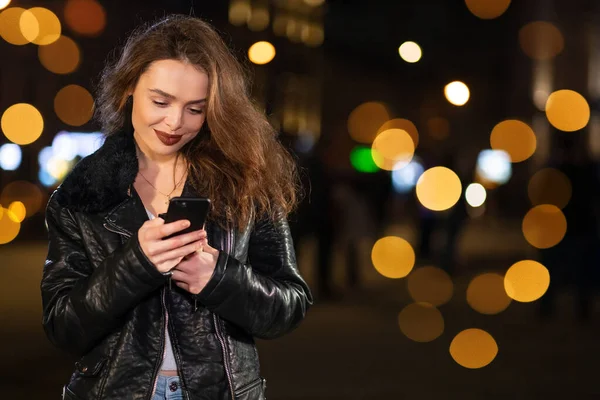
(195, 111)
(160, 103)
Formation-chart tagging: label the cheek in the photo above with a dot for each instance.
(144, 115)
(193, 123)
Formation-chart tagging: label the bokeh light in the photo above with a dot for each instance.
(365, 121)
(239, 12)
(404, 179)
(17, 211)
(514, 137)
(544, 226)
(438, 128)
(567, 110)
(393, 257)
(40, 26)
(493, 166)
(362, 160)
(404, 124)
(60, 57)
(314, 3)
(421, 322)
(410, 52)
(541, 40)
(475, 194)
(9, 227)
(25, 192)
(430, 285)
(439, 188)
(10, 156)
(261, 53)
(312, 35)
(473, 348)
(259, 19)
(4, 4)
(10, 26)
(487, 9)
(85, 17)
(526, 281)
(486, 294)
(22, 123)
(549, 186)
(392, 149)
(457, 93)
(74, 105)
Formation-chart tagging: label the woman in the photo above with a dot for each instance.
(175, 318)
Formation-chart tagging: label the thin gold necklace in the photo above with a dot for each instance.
(168, 196)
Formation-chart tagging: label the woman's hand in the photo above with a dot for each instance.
(166, 254)
(194, 271)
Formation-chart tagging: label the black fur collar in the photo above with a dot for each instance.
(101, 180)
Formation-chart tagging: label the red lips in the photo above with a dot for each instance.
(168, 140)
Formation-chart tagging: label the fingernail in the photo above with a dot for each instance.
(186, 224)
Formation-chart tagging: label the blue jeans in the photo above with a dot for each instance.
(168, 388)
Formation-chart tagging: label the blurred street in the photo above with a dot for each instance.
(352, 348)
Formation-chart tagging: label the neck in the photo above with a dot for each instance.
(150, 161)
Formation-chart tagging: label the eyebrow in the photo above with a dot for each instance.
(170, 96)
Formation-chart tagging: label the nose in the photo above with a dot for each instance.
(174, 119)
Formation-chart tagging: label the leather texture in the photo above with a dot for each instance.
(106, 303)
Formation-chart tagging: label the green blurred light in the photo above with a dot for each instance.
(362, 161)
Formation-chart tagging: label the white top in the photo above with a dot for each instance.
(168, 361)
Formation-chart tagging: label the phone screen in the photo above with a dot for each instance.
(194, 209)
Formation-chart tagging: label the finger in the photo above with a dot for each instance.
(161, 246)
(183, 285)
(180, 276)
(168, 229)
(177, 253)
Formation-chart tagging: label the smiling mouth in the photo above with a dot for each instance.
(166, 139)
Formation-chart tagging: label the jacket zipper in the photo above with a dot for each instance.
(221, 337)
(162, 341)
(114, 229)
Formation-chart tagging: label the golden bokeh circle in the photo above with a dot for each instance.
(259, 19)
(421, 322)
(40, 26)
(365, 121)
(457, 93)
(430, 285)
(239, 12)
(22, 123)
(541, 40)
(438, 188)
(17, 211)
(393, 257)
(567, 110)
(544, 226)
(25, 192)
(473, 348)
(4, 4)
(261, 53)
(514, 137)
(86, 17)
(392, 149)
(549, 186)
(74, 105)
(487, 9)
(10, 26)
(486, 294)
(526, 281)
(405, 125)
(9, 228)
(60, 57)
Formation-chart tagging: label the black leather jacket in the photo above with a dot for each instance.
(105, 302)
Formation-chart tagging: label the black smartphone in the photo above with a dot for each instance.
(194, 209)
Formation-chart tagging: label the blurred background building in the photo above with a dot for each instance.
(449, 153)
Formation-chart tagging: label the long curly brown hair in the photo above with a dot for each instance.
(236, 160)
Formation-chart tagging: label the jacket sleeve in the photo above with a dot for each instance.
(83, 303)
(267, 297)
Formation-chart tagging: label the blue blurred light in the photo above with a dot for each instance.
(45, 155)
(404, 179)
(10, 156)
(494, 166)
(45, 178)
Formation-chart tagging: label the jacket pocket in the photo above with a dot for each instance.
(89, 368)
(255, 390)
(69, 395)
(86, 381)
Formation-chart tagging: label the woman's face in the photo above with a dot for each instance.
(169, 104)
